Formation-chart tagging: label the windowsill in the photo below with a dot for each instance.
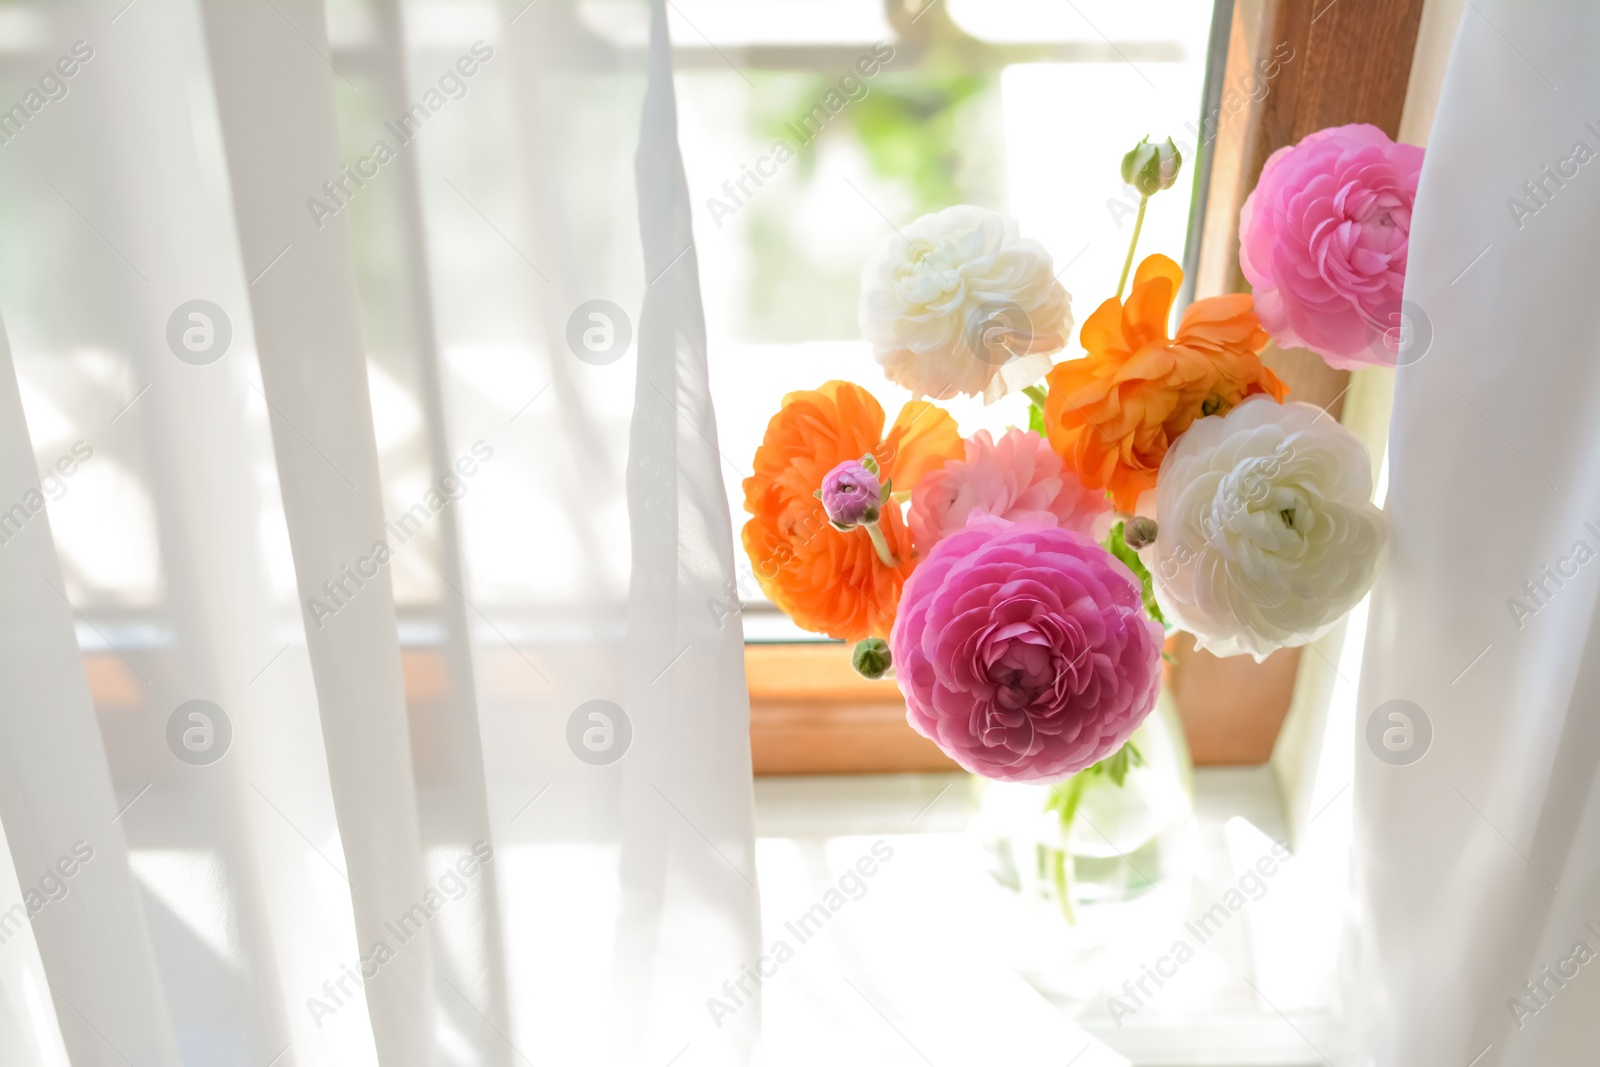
(937, 897)
(811, 713)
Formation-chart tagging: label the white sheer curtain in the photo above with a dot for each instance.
(1477, 868)
(402, 760)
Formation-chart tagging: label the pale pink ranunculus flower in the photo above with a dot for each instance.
(1024, 651)
(1323, 241)
(1018, 477)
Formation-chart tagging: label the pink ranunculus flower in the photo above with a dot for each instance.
(1323, 242)
(1018, 477)
(1023, 650)
(850, 494)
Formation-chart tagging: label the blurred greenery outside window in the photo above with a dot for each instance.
(815, 137)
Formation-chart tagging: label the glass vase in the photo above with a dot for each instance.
(1120, 842)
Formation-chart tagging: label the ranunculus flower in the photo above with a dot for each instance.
(1323, 241)
(1018, 477)
(959, 303)
(832, 581)
(1268, 531)
(1023, 650)
(1112, 415)
(851, 494)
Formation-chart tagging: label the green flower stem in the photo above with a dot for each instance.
(1127, 264)
(881, 544)
(1061, 875)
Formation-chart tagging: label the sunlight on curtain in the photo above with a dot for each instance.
(286, 286)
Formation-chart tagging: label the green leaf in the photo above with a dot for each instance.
(1117, 766)
(1119, 763)
(1119, 548)
(1036, 395)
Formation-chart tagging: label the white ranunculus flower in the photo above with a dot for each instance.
(1268, 534)
(960, 303)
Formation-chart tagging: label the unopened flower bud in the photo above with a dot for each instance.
(1150, 168)
(851, 495)
(1138, 532)
(871, 658)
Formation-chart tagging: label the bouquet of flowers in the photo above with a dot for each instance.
(1020, 588)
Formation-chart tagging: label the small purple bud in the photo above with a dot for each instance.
(851, 494)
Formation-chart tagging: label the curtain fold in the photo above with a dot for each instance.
(56, 798)
(453, 802)
(690, 914)
(275, 99)
(1477, 867)
(225, 982)
(195, 821)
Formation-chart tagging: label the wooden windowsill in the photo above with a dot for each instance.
(811, 713)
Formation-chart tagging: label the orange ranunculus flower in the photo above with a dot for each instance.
(1113, 414)
(827, 580)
